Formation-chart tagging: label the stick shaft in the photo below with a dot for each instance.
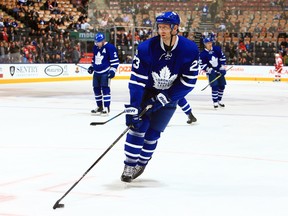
(82, 67)
(214, 80)
(101, 156)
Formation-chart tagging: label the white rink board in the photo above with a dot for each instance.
(67, 72)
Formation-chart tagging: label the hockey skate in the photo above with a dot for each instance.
(191, 118)
(105, 111)
(221, 104)
(138, 170)
(215, 105)
(127, 175)
(98, 110)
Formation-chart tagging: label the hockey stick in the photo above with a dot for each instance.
(211, 82)
(102, 123)
(81, 67)
(215, 79)
(60, 205)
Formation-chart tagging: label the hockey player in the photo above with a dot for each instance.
(164, 70)
(278, 67)
(212, 61)
(186, 108)
(104, 65)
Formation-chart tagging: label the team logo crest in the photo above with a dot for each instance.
(214, 61)
(163, 80)
(98, 58)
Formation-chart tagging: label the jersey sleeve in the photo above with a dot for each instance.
(139, 77)
(222, 58)
(94, 53)
(114, 59)
(187, 79)
(204, 63)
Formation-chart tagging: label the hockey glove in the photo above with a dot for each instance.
(222, 72)
(132, 117)
(210, 71)
(111, 74)
(160, 100)
(90, 70)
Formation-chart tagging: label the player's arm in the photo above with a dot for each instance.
(222, 61)
(204, 64)
(91, 67)
(222, 58)
(186, 81)
(138, 80)
(114, 59)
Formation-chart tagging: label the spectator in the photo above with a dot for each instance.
(205, 11)
(85, 25)
(76, 54)
(118, 19)
(22, 2)
(1, 23)
(147, 22)
(213, 9)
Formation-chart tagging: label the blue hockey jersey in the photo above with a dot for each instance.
(173, 73)
(212, 59)
(105, 58)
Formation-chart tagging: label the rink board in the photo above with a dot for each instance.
(22, 73)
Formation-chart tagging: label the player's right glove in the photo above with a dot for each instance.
(210, 71)
(132, 117)
(90, 70)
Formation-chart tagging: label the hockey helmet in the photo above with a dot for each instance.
(277, 55)
(99, 37)
(169, 17)
(207, 40)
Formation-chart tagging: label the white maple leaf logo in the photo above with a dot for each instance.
(164, 80)
(98, 58)
(214, 61)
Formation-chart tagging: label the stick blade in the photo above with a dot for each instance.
(203, 89)
(58, 205)
(97, 123)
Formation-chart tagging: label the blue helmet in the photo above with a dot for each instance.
(207, 40)
(169, 17)
(99, 37)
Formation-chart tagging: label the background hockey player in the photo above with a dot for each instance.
(213, 61)
(104, 65)
(164, 70)
(278, 67)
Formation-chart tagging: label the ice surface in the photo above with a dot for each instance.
(232, 162)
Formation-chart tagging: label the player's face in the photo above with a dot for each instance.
(208, 45)
(164, 31)
(100, 44)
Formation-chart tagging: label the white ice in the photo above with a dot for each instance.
(232, 162)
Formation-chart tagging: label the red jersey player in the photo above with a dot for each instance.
(278, 67)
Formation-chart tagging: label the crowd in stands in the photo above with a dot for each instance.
(35, 31)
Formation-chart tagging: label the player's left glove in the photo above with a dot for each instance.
(111, 74)
(90, 70)
(158, 101)
(222, 70)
